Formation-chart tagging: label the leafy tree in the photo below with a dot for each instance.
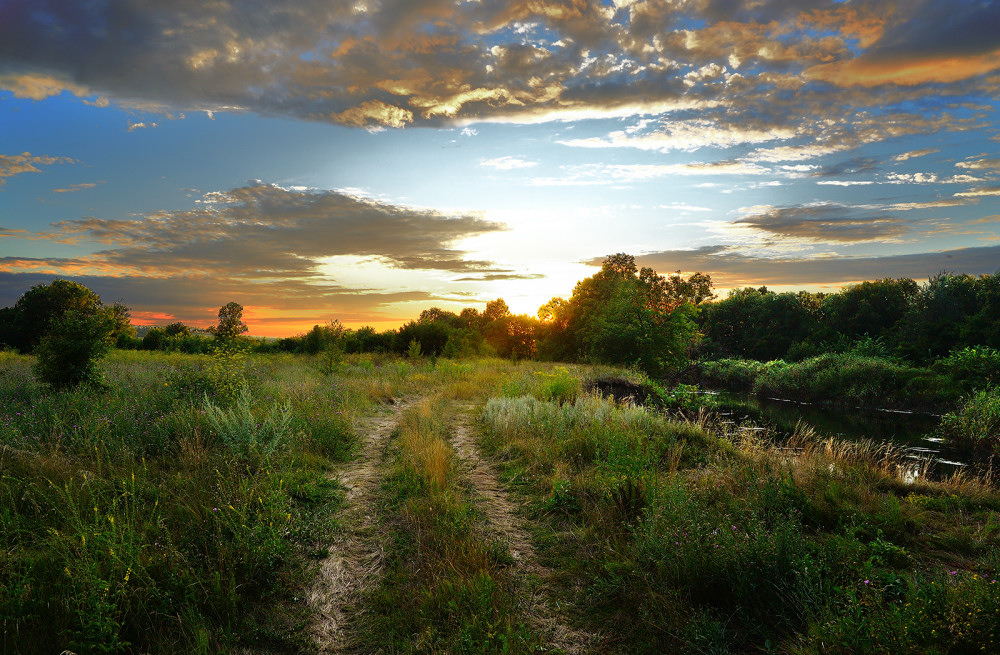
(32, 314)
(757, 323)
(496, 309)
(68, 352)
(870, 308)
(623, 316)
(933, 325)
(177, 330)
(231, 323)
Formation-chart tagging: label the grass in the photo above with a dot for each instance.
(975, 426)
(448, 587)
(164, 513)
(183, 507)
(697, 538)
(847, 379)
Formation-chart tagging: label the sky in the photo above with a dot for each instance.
(364, 160)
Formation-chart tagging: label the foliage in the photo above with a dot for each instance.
(231, 323)
(68, 351)
(621, 316)
(669, 538)
(757, 323)
(976, 367)
(839, 378)
(125, 527)
(29, 319)
(247, 433)
(976, 425)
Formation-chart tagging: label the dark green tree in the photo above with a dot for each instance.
(29, 319)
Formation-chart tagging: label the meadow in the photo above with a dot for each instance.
(188, 504)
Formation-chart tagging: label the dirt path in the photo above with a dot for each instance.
(544, 616)
(357, 552)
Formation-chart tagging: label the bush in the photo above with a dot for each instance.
(245, 433)
(975, 367)
(68, 352)
(976, 426)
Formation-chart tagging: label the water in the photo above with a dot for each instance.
(914, 431)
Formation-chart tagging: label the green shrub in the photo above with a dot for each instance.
(243, 431)
(976, 426)
(975, 367)
(68, 352)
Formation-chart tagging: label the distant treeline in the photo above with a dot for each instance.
(621, 315)
(890, 317)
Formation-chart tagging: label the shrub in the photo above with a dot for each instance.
(244, 432)
(976, 367)
(68, 352)
(976, 426)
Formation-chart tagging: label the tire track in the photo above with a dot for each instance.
(543, 613)
(356, 554)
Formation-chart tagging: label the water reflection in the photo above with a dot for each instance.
(913, 430)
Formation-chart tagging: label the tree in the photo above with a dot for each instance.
(177, 330)
(34, 311)
(231, 323)
(496, 309)
(621, 316)
(68, 352)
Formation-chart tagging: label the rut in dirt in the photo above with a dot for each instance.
(543, 613)
(354, 563)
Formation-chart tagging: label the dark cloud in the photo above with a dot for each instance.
(263, 231)
(401, 62)
(260, 244)
(941, 27)
(849, 167)
(495, 277)
(196, 300)
(825, 223)
(729, 268)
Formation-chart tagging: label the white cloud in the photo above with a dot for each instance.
(507, 163)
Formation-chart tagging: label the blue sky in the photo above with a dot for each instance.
(366, 160)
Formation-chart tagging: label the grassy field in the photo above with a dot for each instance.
(191, 503)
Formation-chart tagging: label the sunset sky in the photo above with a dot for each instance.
(364, 160)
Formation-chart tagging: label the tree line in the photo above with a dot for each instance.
(895, 317)
(621, 315)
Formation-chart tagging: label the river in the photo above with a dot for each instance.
(913, 430)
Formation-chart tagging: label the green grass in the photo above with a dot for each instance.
(131, 520)
(675, 537)
(847, 379)
(975, 426)
(448, 587)
(182, 508)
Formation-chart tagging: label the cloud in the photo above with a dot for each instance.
(267, 246)
(730, 268)
(496, 277)
(930, 41)
(72, 188)
(741, 65)
(990, 164)
(824, 223)
(507, 163)
(280, 307)
(923, 152)
(980, 192)
(263, 231)
(11, 165)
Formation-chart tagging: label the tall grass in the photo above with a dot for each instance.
(447, 587)
(711, 537)
(145, 518)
